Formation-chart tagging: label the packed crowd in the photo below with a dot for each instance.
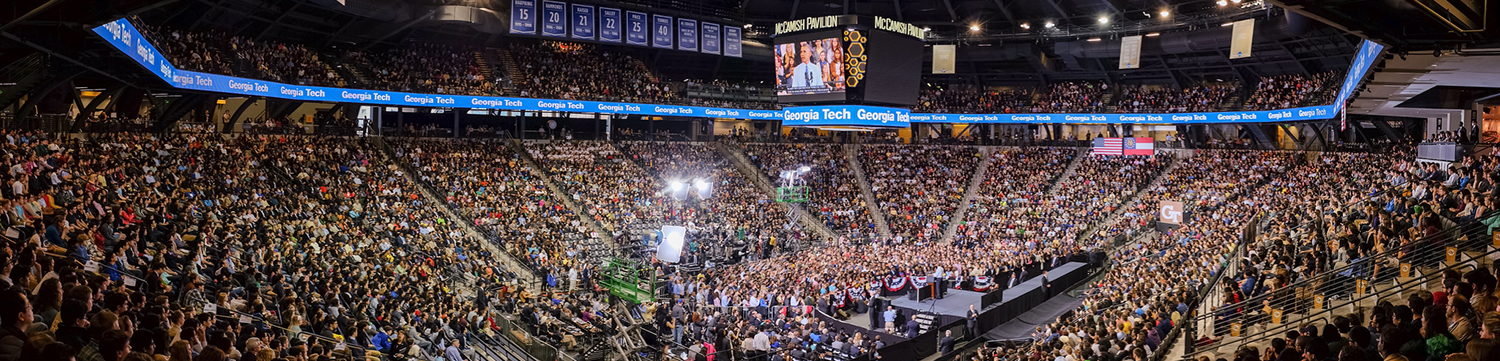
(591, 73)
(1012, 203)
(494, 188)
(834, 194)
(1205, 180)
(956, 99)
(209, 52)
(611, 188)
(918, 187)
(728, 94)
(1071, 96)
(1141, 99)
(429, 68)
(1098, 187)
(136, 247)
(734, 211)
(1293, 90)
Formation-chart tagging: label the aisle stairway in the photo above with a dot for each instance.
(354, 72)
(851, 152)
(525, 273)
(795, 212)
(974, 182)
(601, 233)
(1130, 202)
(512, 70)
(1083, 152)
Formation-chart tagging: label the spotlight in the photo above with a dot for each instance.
(1026, 26)
(804, 169)
(1049, 25)
(1223, 3)
(700, 184)
(1165, 13)
(974, 28)
(747, 26)
(1104, 20)
(1235, 1)
(676, 186)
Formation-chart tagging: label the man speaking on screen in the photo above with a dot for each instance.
(808, 73)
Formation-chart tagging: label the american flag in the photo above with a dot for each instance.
(1123, 146)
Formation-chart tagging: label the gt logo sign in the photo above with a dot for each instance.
(1171, 212)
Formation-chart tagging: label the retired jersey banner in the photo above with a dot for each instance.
(1244, 36)
(554, 19)
(687, 34)
(732, 41)
(637, 31)
(523, 17)
(583, 22)
(609, 25)
(711, 39)
(661, 37)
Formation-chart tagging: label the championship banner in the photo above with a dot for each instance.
(583, 22)
(1130, 52)
(1171, 215)
(1244, 36)
(523, 17)
(554, 19)
(943, 58)
(609, 25)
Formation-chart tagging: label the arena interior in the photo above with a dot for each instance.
(759, 180)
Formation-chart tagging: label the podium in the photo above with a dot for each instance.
(930, 290)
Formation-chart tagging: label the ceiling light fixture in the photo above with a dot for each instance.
(1095, 40)
(1223, 3)
(974, 28)
(1153, 34)
(1026, 26)
(1104, 20)
(1165, 13)
(1049, 25)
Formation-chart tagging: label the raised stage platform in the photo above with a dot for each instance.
(949, 312)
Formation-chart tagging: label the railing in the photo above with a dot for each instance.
(48, 123)
(1351, 284)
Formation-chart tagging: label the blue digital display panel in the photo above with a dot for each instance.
(1369, 51)
(846, 115)
(523, 17)
(1283, 115)
(711, 40)
(583, 22)
(687, 34)
(125, 37)
(637, 31)
(609, 25)
(661, 35)
(555, 19)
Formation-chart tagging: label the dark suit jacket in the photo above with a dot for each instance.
(912, 328)
(945, 345)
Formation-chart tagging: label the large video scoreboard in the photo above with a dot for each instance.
(848, 59)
